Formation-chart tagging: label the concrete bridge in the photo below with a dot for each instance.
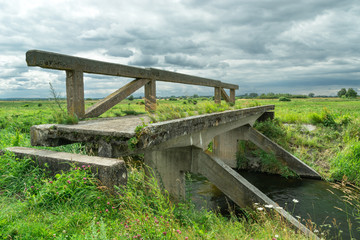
(170, 148)
(174, 147)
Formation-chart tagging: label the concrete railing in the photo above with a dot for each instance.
(75, 68)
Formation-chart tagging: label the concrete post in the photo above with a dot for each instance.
(150, 96)
(217, 95)
(75, 93)
(169, 167)
(232, 95)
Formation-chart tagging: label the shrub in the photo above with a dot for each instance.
(284, 99)
(271, 128)
(269, 163)
(325, 118)
(347, 163)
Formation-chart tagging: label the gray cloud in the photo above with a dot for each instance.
(265, 46)
(144, 60)
(184, 61)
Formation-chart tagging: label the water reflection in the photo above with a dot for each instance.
(318, 201)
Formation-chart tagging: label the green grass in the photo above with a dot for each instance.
(337, 123)
(73, 205)
(77, 210)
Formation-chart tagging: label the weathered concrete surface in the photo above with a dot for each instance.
(110, 134)
(169, 167)
(225, 146)
(197, 130)
(237, 188)
(113, 134)
(110, 171)
(75, 93)
(150, 96)
(225, 96)
(167, 76)
(76, 66)
(58, 61)
(65, 62)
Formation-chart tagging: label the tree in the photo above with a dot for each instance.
(351, 93)
(131, 97)
(253, 95)
(311, 95)
(342, 92)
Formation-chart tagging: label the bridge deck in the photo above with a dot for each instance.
(116, 132)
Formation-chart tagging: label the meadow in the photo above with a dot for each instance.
(74, 205)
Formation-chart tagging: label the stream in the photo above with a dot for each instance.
(317, 200)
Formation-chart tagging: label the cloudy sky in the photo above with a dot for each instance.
(263, 46)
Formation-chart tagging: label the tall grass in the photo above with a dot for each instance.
(74, 205)
(77, 209)
(347, 163)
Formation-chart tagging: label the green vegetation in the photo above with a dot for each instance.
(174, 111)
(284, 99)
(72, 205)
(350, 93)
(347, 163)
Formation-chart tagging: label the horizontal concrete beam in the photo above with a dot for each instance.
(110, 171)
(65, 62)
(167, 76)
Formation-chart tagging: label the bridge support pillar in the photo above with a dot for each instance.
(226, 145)
(169, 167)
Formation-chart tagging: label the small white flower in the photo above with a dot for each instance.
(295, 200)
(260, 208)
(298, 217)
(256, 203)
(316, 231)
(269, 206)
(276, 236)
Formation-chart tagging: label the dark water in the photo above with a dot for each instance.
(317, 200)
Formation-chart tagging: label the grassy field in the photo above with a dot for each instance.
(72, 205)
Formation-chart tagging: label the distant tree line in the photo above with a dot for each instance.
(274, 95)
(350, 93)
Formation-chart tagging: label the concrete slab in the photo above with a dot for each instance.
(112, 134)
(110, 171)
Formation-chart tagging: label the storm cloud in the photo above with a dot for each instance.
(263, 46)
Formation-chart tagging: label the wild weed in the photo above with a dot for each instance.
(18, 175)
(59, 114)
(347, 163)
